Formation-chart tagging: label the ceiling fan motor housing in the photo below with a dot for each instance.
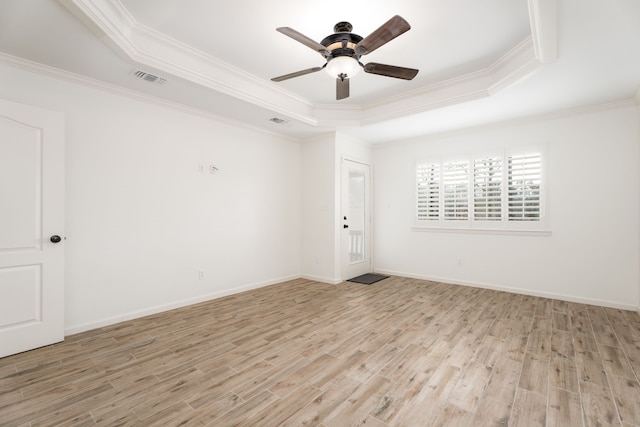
(342, 42)
(342, 27)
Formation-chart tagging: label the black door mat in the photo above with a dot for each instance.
(367, 279)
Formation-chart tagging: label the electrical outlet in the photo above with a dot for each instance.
(201, 274)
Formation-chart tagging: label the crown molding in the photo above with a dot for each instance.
(514, 66)
(543, 16)
(145, 47)
(59, 74)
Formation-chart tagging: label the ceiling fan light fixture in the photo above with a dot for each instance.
(345, 65)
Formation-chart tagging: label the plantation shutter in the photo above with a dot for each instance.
(487, 189)
(525, 178)
(495, 190)
(455, 183)
(428, 188)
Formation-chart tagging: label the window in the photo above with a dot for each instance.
(500, 190)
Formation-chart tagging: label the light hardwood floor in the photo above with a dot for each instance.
(401, 352)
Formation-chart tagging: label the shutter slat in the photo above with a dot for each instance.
(525, 176)
(455, 181)
(487, 178)
(428, 179)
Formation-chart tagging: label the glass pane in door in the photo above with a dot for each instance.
(356, 216)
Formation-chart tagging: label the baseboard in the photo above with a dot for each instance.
(214, 295)
(322, 279)
(562, 297)
(177, 304)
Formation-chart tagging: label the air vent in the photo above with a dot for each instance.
(149, 77)
(277, 120)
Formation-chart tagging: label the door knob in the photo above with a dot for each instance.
(55, 239)
(345, 226)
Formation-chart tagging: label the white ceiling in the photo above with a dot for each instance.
(480, 61)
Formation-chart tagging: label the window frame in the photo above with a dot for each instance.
(471, 224)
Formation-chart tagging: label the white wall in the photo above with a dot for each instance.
(142, 220)
(593, 252)
(637, 100)
(321, 211)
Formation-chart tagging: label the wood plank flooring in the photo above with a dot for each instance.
(400, 352)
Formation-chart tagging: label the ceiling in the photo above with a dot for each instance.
(479, 62)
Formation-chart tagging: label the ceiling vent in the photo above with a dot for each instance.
(149, 77)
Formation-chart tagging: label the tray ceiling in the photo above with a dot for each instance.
(478, 61)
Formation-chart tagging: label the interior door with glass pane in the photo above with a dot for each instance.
(356, 219)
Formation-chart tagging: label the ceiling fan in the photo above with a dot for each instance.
(343, 50)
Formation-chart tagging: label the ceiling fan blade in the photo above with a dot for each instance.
(387, 32)
(299, 37)
(390, 71)
(296, 74)
(342, 88)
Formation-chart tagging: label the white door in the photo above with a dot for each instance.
(356, 219)
(31, 213)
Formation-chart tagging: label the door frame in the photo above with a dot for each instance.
(366, 266)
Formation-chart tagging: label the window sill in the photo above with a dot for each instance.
(503, 232)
